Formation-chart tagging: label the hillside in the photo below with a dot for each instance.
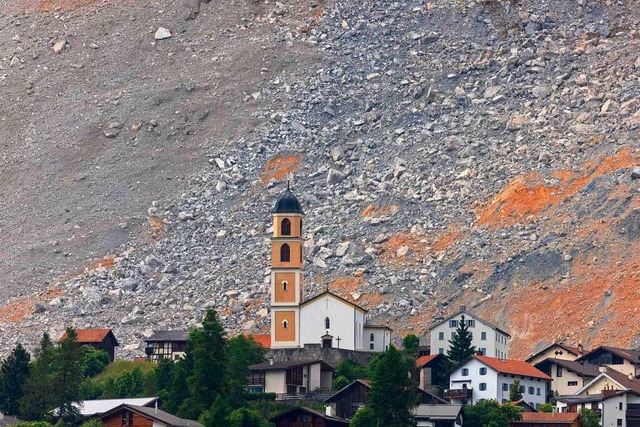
(445, 152)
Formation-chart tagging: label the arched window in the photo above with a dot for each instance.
(372, 338)
(327, 323)
(285, 324)
(284, 285)
(285, 253)
(285, 227)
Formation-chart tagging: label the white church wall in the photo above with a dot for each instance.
(342, 318)
(381, 339)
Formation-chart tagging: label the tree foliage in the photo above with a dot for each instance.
(350, 370)
(38, 397)
(515, 392)
(68, 377)
(545, 407)
(490, 412)
(590, 418)
(460, 347)
(13, 374)
(94, 361)
(411, 345)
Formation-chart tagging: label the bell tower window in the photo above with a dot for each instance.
(327, 323)
(285, 253)
(285, 227)
(285, 324)
(284, 285)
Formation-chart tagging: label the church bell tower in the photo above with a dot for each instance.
(286, 271)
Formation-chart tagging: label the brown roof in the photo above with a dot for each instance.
(624, 380)
(512, 367)
(423, 360)
(264, 340)
(154, 414)
(284, 415)
(573, 350)
(581, 369)
(549, 417)
(631, 355)
(91, 336)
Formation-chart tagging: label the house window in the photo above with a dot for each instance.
(505, 387)
(285, 253)
(285, 227)
(441, 336)
(620, 406)
(453, 323)
(471, 323)
(558, 371)
(483, 371)
(619, 422)
(372, 337)
(285, 324)
(538, 391)
(531, 390)
(327, 323)
(465, 372)
(284, 285)
(482, 386)
(572, 383)
(127, 419)
(453, 334)
(483, 336)
(371, 346)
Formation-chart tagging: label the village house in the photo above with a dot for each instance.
(127, 415)
(431, 372)
(621, 359)
(289, 379)
(488, 339)
(548, 419)
(620, 408)
(305, 417)
(91, 408)
(102, 339)
(483, 377)
(166, 345)
(557, 351)
(438, 415)
(568, 376)
(325, 319)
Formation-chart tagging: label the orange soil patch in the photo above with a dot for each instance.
(51, 5)
(278, 167)
(156, 227)
(18, 309)
(106, 262)
(419, 245)
(450, 236)
(373, 211)
(346, 284)
(565, 310)
(527, 195)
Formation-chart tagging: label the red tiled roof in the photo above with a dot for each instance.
(512, 367)
(264, 340)
(423, 360)
(86, 336)
(550, 417)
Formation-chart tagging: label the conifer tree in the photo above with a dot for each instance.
(15, 370)
(515, 392)
(460, 347)
(38, 397)
(68, 377)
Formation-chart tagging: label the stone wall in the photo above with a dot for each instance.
(314, 352)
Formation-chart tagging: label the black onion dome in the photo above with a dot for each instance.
(287, 203)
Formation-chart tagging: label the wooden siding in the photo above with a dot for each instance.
(115, 420)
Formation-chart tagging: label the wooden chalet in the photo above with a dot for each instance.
(102, 339)
(305, 417)
(141, 416)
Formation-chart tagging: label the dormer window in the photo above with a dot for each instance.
(285, 227)
(285, 253)
(284, 285)
(327, 323)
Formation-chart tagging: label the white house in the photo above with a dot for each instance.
(483, 377)
(568, 376)
(620, 409)
(622, 360)
(557, 351)
(289, 377)
(325, 319)
(487, 338)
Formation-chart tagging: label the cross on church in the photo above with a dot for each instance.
(338, 339)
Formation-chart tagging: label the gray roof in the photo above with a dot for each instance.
(90, 408)
(165, 417)
(168, 336)
(472, 315)
(438, 412)
(579, 398)
(275, 366)
(582, 369)
(371, 324)
(8, 420)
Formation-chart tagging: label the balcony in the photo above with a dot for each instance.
(458, 394)
(633, 413)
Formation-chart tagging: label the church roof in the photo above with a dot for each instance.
(335, 296)
(287, 203)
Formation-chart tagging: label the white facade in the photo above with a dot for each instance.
(487, 383)
(488, 339)
(346, 322)
(621, 410)
(377, 339)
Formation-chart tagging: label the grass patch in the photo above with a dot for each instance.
(120, 366)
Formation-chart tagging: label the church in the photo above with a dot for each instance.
(325, 319)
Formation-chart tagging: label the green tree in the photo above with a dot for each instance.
(218, 414)
(179, 391)
(460, 347)
(515, 392)
(38, 397)
(245, 417)
(411, 345)
(150, 384)
(340, 382)
(393, 393)
(365, 417)
(241, 353)
(490, 412)
(589, 417)
(164, 374)
(351, 371)
(545, 407)
(208, 349)
(15, 370)
(68, 377)
(92, 423)
(94, 361)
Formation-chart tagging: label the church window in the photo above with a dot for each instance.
(301, 226)
(285, 227)
(285, 253)
(284, 285)
(327, 323)
(285, 324)
(371, 337)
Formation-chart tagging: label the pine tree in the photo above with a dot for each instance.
(164, 376)
(38, 397)
(460, 347)
(241, 353)
(68, 377)
(15, 370)
(515, 392)
(393, 394)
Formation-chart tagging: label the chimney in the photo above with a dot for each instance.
(608, 392)
(631, 377)
(156, 407)
(602, 369)
(463, 308)
(580, 348)
(330, 411)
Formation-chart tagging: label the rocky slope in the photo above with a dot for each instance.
(445, 152)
